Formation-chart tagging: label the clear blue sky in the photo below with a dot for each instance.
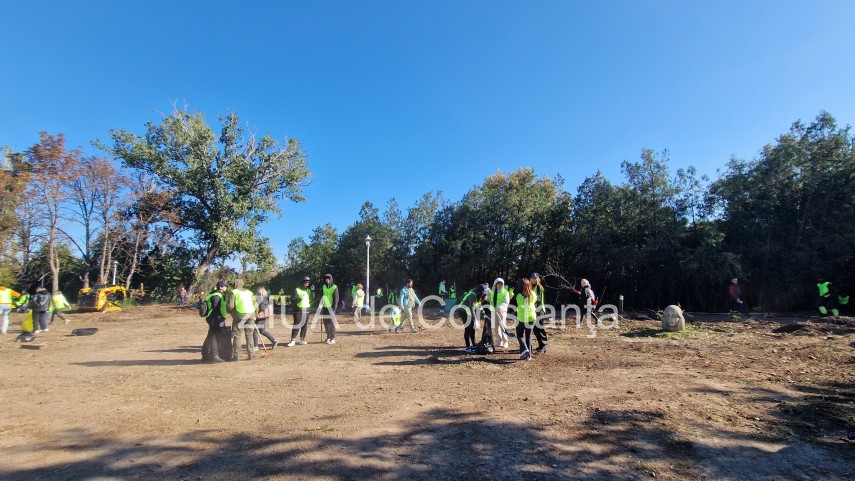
(397, 98)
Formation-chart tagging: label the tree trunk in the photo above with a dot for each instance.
(53, 260)
(203, 267)
(137, 241)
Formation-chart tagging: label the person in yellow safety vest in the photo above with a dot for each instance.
(827, 300)
(58, 303)
(378, 294)
(392, 297)
(395, 318)
(443, 292)
(540, 295)
(452, 293)
(217, 338)
(6, 296)
(358, 303)
(302, 301)
(467, 313)
(526, 302)
(23, 302)
(329, 300)
(242, 305)
(500, 299)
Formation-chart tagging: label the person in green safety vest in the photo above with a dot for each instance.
(539, 331)
(392, 297)
(358, 303)
(827, 299)
(242, 305)
(500, 299)
(218, 339)
(302, 303)
(58, 303)
(526, 302)
(452, 293)
(468, 313)
(6, 296)
(329, 301)
(22, 304)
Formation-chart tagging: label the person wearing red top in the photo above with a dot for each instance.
(735, 300)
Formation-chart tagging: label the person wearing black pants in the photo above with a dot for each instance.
(468, 310)
(216, 320)
(526, 302)
(329, 301)
(40, 305)
(540, 303)
(302, 301)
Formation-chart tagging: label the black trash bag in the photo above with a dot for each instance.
(25, 337)
(84, 331)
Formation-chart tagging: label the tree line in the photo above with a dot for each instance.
(181, 205)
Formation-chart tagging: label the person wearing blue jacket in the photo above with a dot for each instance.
(407, 299)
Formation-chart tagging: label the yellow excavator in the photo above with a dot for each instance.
(102, 297)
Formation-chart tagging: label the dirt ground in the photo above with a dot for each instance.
(722, 400)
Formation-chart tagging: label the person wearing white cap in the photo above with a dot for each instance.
(500, 299)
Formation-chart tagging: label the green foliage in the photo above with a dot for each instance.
(786, 214)
(223, 187)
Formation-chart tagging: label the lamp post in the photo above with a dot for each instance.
(368, 272)
(115, 266)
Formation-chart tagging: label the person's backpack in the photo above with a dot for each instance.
(205, 306)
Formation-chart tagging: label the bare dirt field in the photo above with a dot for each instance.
(722, 400)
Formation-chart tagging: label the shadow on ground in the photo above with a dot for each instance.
(386, 356)
(438, 444)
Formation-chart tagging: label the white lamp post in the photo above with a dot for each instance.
(368, 272)
(115, 266)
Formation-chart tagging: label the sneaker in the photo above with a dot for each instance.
(330, 341)
(292, 343)
(47, 329)
(303, 342)
(414, 330)
(525, 354)
(275, 343)
(255, 349)
(470, 350)
(37, 331)
(540, 350)
(529, 357)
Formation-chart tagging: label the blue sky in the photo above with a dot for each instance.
(397, 98)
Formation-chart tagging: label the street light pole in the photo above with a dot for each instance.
(368, 272)
(115, 266)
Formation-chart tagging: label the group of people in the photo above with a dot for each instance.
(249, 313)
(43, 306)
(828, 298)
(491, 304)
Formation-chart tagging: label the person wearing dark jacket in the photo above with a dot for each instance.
(734, 295)
(216, 319)
(329, 300)
(468, 312)
(40, 305)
